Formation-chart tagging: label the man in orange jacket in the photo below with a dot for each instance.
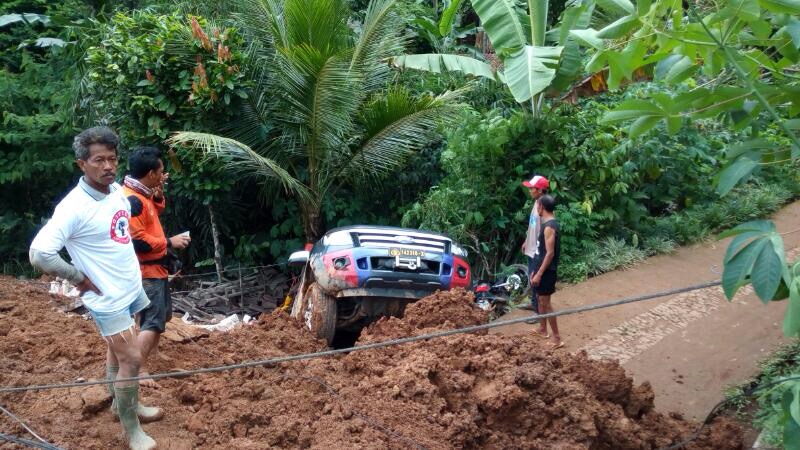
(144, 188)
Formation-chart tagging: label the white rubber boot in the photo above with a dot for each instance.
(146, 414)
(127, 399)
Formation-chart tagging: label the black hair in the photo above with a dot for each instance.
(143, 160)
(95, 135)
(548, 203)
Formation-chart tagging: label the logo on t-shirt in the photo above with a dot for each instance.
(120, 227)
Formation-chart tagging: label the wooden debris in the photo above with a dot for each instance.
(177, 331)
(254, 292)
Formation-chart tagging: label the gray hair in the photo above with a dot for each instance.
(94, 135)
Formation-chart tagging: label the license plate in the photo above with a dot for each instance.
(405, 252)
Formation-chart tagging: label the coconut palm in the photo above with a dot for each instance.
(322, 112)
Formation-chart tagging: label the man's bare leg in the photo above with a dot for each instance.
(148, 341)
(125, 348)
(544, 303)
(547, 307)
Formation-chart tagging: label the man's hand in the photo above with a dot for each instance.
(536, 279)
(86, 285)
(180, 241)
(158, 191)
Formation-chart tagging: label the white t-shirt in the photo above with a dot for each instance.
(532, 238)
(95, 230)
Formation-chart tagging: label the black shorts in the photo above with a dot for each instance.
(548, 284)
(156, 316)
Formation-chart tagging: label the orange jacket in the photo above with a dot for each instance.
(149, 240)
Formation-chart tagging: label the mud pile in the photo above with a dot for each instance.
(463, 391)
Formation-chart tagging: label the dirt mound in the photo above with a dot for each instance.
(440, 311)
(462, 391)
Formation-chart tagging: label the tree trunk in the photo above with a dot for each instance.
(312, 222)
(217, 246)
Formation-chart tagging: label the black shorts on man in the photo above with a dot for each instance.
(156, 316)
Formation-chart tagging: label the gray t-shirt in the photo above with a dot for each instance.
(532, 238)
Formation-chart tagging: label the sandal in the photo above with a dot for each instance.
(557, 346)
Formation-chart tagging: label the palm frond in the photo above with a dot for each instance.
(321, 24)
(382, 37)
(320, 98)
(241, 160)
(261, 21)
(395, 126)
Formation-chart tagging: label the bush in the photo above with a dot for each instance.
(657, 187)
(613, 253)
(655, 245)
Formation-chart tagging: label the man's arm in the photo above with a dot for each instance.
(54, 264)
(143, 242)
(549, 245)
(48, 242)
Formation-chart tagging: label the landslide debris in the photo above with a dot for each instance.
(462, 391)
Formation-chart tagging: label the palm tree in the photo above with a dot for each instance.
(322, 112)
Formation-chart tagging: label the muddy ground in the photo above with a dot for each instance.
(463, 391)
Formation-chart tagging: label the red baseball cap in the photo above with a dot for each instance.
(538, 182)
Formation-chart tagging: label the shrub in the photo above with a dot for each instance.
(613, 253)
(654, 245)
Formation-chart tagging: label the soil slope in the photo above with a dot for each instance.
(463, 391)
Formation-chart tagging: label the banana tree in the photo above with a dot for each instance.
(321, 113)
(520, 38)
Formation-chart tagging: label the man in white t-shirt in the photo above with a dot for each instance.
(92, 223)
(537, 187)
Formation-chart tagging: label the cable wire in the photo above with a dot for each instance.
(382, 344)
(713, 413)
(25, 426)
(27, 443)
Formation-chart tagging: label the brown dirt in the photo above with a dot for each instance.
(463, 391)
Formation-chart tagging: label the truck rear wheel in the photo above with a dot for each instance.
(319, 312)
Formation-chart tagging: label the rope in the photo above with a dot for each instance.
(192, 275)
(382, 344)
(26, 442)
(233, 269)
(26, 427)
(713, 413)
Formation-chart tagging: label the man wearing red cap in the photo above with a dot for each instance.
(537, 187)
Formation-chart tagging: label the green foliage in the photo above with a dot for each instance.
(756, 256)
(656, 192)
(149, 75)
(613, 253)
(36, 161)
(754, 41)
(656, 245)
(152, 74)
(337, 124)
(518, 37)
(775, 415)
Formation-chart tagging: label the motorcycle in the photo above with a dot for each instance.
(495, 297)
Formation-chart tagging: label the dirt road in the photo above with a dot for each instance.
(689, 346)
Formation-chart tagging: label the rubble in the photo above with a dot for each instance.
(463, 391)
